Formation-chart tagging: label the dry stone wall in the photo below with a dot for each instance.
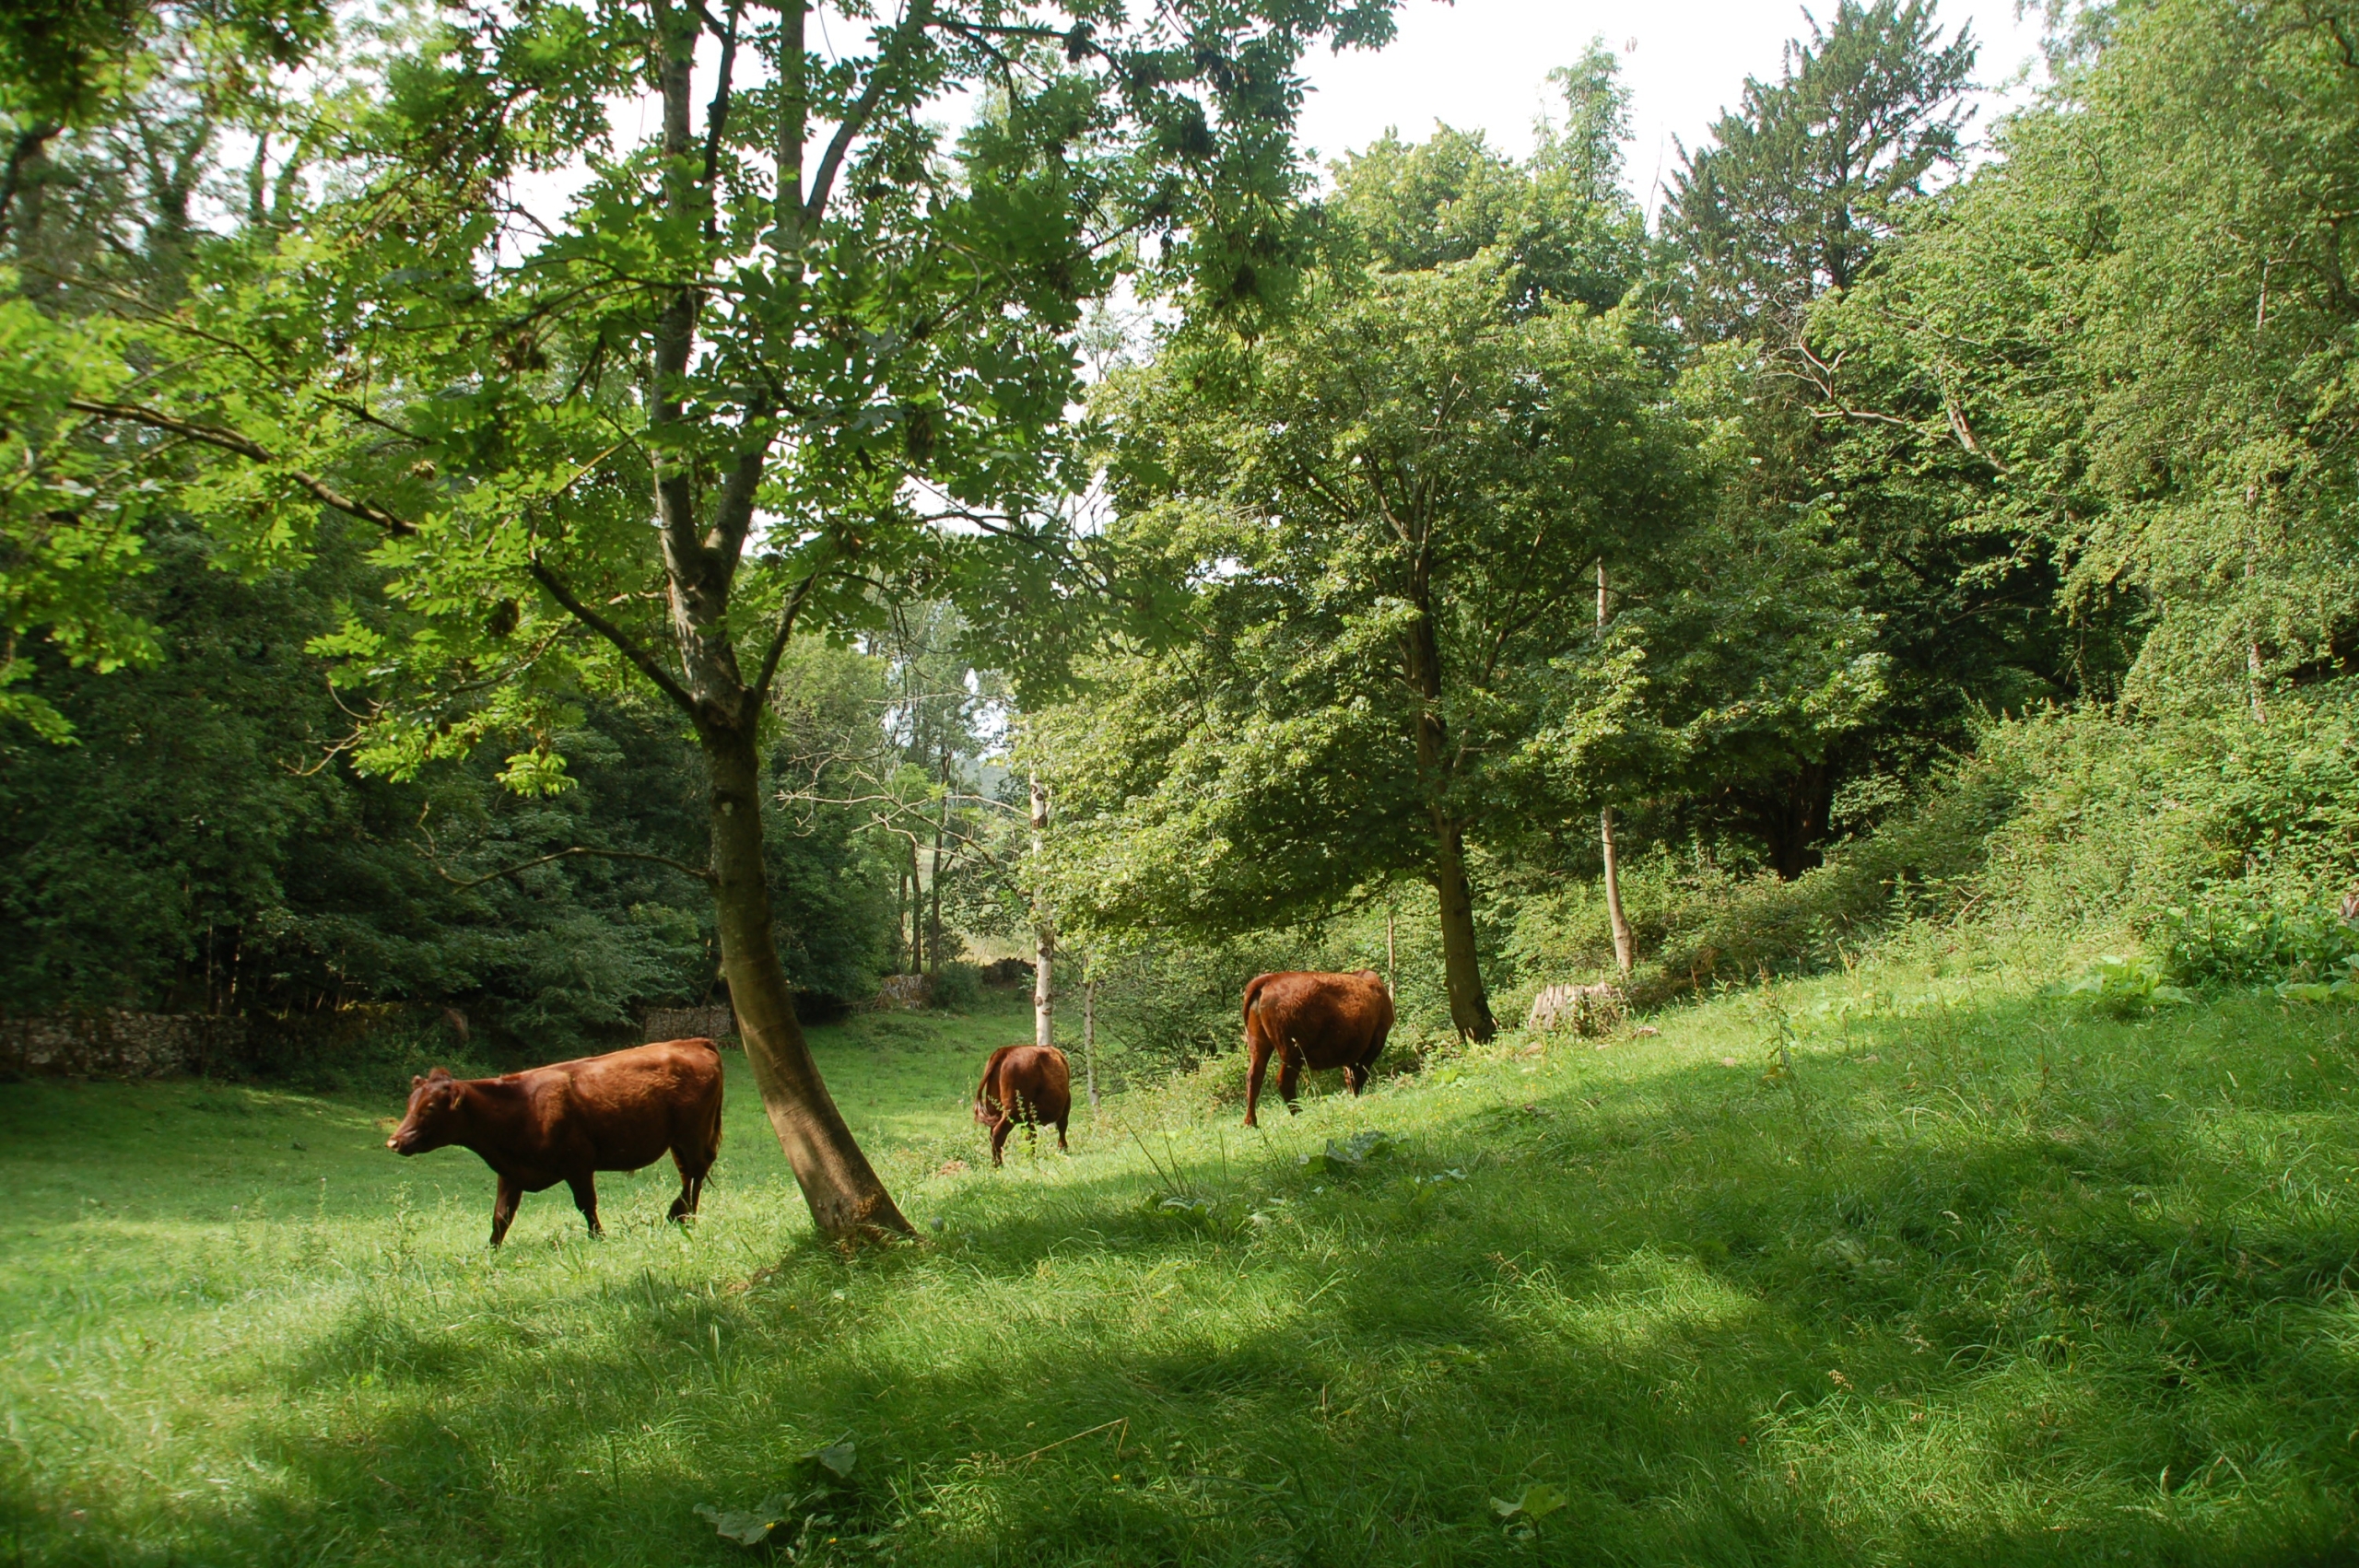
(118, 1045)
(715, 1024)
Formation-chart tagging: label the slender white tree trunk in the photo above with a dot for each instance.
(1624, 948)
(1044, 937)
(1624, 955)
(1089, 1032)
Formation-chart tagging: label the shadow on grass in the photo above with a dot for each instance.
(1948, 1289)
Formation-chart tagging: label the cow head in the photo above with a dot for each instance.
(432, 1120)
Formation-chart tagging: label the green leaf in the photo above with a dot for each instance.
(1338, 1159)
(750, 1526)
(839, 1456)
(1539, 1500)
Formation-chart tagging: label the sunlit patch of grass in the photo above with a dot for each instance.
(1934, 1271)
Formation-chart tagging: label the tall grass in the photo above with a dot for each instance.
(1907, 1265)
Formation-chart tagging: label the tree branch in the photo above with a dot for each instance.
(703, 874)
(777, 649)
(646, 662)
(856, 118)
(732, 515)
(716, 119)
(230, 441)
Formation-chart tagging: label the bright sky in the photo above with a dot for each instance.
(1483, 64)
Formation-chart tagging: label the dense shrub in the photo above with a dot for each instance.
(958, 986)
(1925, 862)
(2124, 816)
(2232, 935)
(2222, 840)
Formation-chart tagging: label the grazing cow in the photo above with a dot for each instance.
(563, 1123)
(1028, 1083)
(1313, 1020)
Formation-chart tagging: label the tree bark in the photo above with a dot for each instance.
(934, 918)
(917, 914)
(845, 1197)
(1044, 936)
(1470, 1006)
(1625, 950)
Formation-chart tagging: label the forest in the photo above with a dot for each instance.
(515, 517)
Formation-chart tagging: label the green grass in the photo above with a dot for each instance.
(1973, 1280)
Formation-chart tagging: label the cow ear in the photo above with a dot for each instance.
(418, 1082)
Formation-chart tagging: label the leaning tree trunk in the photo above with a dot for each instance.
(702, 536)
(1624, 946)
(1470, 1006)
(845, 1196)
(1461, 969)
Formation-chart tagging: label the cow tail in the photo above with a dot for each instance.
(991, 1070)
(1252, 995)
(712, 1115)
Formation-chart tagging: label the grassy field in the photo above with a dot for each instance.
(1914, 1265)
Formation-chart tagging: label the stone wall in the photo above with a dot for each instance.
(718, 1024)
(118, 1045)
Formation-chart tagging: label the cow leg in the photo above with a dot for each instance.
(691, 1184)
(503, 1208)
(1355, 1078)
(1289, 1078)
(585, 1197)
(1000, 1129)
(1259, 1052)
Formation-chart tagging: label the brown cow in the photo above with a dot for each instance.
(1313, 1020)
(1032, 1085)
(565, 1122)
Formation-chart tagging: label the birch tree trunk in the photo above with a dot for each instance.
(1044, 937)
(1089, 1032)
(1624, 953)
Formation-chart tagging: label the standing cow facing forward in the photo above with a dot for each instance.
(1032, 1085)
(565, 1122)
(1313, 1020)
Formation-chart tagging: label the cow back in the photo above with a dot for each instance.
(624, 1109)
(1331, 1020)
(1025, 1080)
